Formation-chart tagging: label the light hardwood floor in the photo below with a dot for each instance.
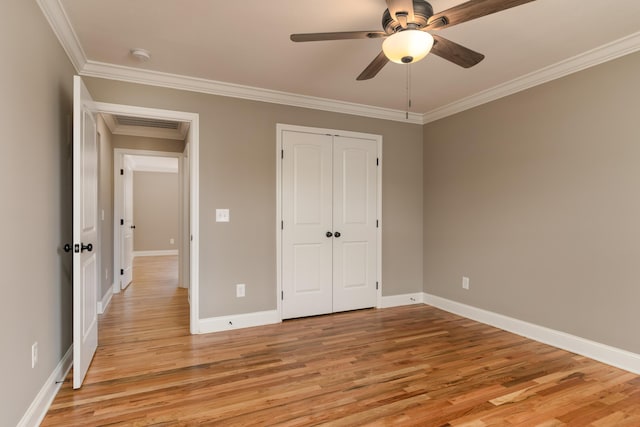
(412, 365)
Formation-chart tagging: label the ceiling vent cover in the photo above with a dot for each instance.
(150, 123)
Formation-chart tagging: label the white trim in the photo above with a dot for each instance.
(280, 127)
(59, 22)
(239, 321)
(165, 252)
(213, 87)
(604, 53)
(61, 26)
(40, 405)
(400, 300)
(106, 299)
(601, 352)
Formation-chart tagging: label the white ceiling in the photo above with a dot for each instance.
(247, 43)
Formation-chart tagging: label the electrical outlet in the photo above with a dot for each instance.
(171, 241)
(240, 290)
(106, 274)
(465, 282)
(34, 354)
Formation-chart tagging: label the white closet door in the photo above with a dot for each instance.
(354, 223)
(306, 214)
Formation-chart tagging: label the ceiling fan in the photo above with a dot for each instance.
(405, 26)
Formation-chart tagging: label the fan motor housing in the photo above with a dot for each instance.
(422, 11)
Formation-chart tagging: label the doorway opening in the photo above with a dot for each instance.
(138, 122)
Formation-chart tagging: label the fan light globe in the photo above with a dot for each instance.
(408, 46)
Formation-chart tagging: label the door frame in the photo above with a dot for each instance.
(281, 127)
(119, 155)
(193, 140)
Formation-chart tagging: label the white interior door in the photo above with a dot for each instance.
(126, 226)
(354, 223)
(306, 215)
(329, 231)
(85, 232)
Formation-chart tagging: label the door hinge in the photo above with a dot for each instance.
(377, 285)
(121, 171)
(282, 154)
(377, 223)
(377, 161)
(121, 221)
(122, 272)
(281, 225)
(282, 295)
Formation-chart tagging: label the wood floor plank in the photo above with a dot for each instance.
(412, 365)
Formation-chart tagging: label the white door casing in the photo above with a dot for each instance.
(127, 227)
(85, 232)
(327, 183)
(306, 211)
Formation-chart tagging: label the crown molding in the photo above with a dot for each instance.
(599, 55)
(61, 26)
(59, 22)
(213, 87)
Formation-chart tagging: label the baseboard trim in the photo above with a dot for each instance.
(400, 300)
(106, 299)
(156, 253)
(238, 321)
(613, 356)
(40, 405)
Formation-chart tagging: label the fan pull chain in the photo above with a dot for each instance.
(408, 90)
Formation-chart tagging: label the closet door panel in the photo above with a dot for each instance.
(307, 217)
(354, 223)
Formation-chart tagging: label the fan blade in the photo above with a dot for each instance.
(374, 68)
(402, 7)
(472, 10)
(455, 53)
(344, 35)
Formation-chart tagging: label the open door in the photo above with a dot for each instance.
(127, 227)
(85, 232)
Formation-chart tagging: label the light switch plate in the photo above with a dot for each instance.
(222, 215)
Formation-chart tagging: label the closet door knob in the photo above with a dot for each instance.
(337, 234)
(329, 234)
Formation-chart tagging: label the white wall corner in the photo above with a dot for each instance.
(613, 356)
(238, 321)
(404, 299)
(61, 26)
(40, 405)
(106, 299)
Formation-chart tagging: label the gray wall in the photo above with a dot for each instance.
(105, 206)
(146, 143)
(238, 171)
(536, 197)
(156, 211)
(35, 216)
